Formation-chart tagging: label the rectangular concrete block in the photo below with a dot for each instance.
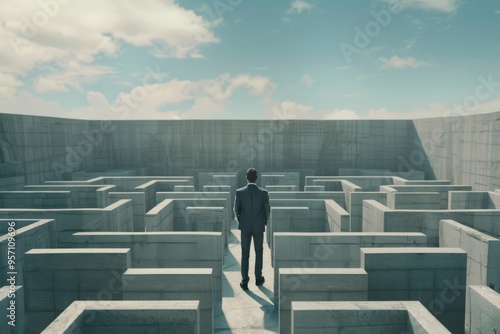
(483, 252)
(288, 219)
(128, 317)
(482, 314)
(13, 307)
(98, 275)
(322, 284)
(333, 250)
(173, 284)
(165, 250)
(434, 276)
(363, 317)
(337, 217)
(77, 258)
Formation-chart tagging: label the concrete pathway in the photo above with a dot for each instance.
(249, 311)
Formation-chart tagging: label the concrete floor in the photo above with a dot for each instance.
(249, 311)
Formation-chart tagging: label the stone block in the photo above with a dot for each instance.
(173, 284)
(128, 317)
(363, 317)
(482, 313)
(320, 284)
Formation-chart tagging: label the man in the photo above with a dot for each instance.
(251, 208)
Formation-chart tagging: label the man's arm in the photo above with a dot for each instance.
(237, 207)
(267, 207)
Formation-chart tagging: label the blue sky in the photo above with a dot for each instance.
(249, 59)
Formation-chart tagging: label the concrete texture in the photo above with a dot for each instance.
(317, 284)
(332, 250)
(464, 149)
(379, 218)
(28, 234)
(363, 317)
(173, 284)
(483, 252)
(163, 250)
(125, 317)
(434, 276)
(483, 310)
(12, 303)
(39, 145)
(57, 277)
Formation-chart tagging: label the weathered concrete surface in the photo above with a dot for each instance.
(464, 149)
(364, 317)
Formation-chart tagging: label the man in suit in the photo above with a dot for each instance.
(251, 209)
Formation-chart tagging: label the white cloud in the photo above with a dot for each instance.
(446, 6)
(174, 99)
(206, 99)
(72, 75)
(8, 80)
(25, 103)
(307, 80)
(33, 33)
(299, 6)
(344, 114)
(433, 110)
(400, 63)
(289, 109)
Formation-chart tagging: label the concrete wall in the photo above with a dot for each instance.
(379, 218)
(355, 208)
(337, 196)
(338, 219)
(332, 250)
(82, 196)
(483, 252)
(322, 284)
(115, 217)
(35, 199)
(280, 178)
(443, 190)
(462, 149)
(363, 317)
(173, 284)
(434, 276)
(474, 200)
(121, 316)
(138, 207)
(200, 200)
(483, 310)
(57, 277)
(289, 219)
(161, 218)
(12, 305)
(171, 147)
(162, 249)
(35, 234)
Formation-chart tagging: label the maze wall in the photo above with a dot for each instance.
(432, 268)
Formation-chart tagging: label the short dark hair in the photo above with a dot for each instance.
(251, 175)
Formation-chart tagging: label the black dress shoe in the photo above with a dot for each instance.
(260, 281)
(244, 286)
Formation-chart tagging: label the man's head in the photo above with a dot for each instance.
(251, 175)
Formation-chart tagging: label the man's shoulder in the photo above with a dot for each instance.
(241, 189)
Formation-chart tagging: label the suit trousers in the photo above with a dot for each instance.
(246, 239)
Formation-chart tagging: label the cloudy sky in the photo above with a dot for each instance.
(249, 59)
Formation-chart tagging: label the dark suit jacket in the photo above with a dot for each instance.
(251, 208)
